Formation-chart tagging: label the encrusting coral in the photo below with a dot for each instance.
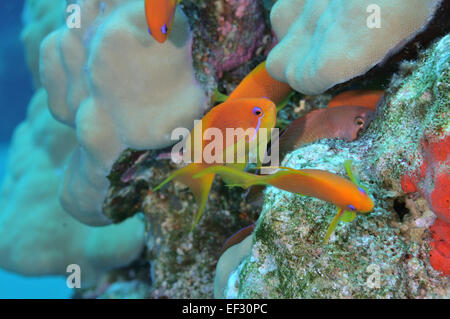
(381, 254)
(311, 61)
(118, 88)
(38, 236)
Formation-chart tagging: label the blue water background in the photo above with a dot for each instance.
(15, 92)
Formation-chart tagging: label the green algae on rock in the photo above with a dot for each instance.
(379, 255)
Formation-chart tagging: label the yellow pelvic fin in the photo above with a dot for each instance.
(333, 225)
(200, 187)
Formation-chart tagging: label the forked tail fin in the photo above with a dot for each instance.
(200, 187)
(232, 176)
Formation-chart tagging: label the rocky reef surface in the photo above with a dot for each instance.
(383, 254)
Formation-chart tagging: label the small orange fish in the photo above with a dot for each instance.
(344, 122)
(366, 98)
(245, 114)
(160, 15)
(258, 83)
(348, 196)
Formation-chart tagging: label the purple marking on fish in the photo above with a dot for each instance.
(164, 29)
(257, 127)
(362, 191)
(352, 207)
(149, 32)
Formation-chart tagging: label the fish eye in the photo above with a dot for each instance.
(257, 111)
(164, 29)
(352, 207)
(359, 121)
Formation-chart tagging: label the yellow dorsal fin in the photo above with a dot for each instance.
(353, 177)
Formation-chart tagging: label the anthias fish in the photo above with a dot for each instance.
(160, 15)
(245, 114)
(348, 196)
(343, 122)
(366, 98)
(259, 83)
(340, 121)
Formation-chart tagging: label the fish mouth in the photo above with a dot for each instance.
(369, 117)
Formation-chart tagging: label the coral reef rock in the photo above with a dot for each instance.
(382, 254)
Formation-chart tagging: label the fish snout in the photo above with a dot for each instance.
(369, 117)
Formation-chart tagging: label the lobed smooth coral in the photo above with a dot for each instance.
(40, 17)
(118, 88)
(38, 236)
(323, 43)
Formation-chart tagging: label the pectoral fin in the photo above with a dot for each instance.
(348, 216)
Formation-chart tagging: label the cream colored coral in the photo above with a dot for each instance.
(326, 42)
(37, 236)
(40, 17)
(118, 88)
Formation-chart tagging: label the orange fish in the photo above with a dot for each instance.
(366, 98)
(160, 15)
(348, 196)
(258, 83)
(249, 115)
(343, 122)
